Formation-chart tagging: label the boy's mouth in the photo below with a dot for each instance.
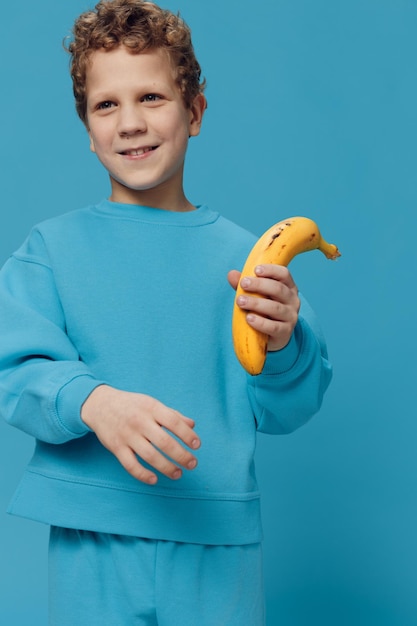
(138, 151)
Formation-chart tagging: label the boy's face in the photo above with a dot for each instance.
(139, 126)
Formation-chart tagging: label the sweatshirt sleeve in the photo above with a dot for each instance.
(290, 389)
(43, 382)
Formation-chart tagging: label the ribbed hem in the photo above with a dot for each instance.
(216, 519)
(201, 215)
(69, 401)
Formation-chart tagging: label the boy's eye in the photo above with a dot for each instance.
(151, 97)
(107, 104)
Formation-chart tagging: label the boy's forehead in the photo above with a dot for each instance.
(121, 55)
(109, 70)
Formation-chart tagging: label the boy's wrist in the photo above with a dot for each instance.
(281, 361)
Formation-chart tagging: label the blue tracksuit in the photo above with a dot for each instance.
(137, 298)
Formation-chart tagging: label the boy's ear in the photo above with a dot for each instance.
(92, 146)
(197, 109)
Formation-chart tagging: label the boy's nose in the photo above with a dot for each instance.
(131, 122)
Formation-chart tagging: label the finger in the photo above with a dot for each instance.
(179, 426)
(150, 453)
(129, 461)
(275, 282)
(189, 421)
(272, 328)
(173, 451)
(279, 333)
(265, 307)
(277, 272)
(233, 278)
(268, 289)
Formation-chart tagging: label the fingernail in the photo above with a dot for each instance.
(245, 282)
(242, 300)
(195, 443)
(192, 464)
(176, 474)
(259, 269)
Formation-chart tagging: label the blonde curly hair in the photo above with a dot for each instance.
(139, 25)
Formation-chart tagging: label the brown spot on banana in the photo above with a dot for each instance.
(278, 245)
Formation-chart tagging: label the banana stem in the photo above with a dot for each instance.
(329, 249)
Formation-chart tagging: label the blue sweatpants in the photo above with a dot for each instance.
(96, 579)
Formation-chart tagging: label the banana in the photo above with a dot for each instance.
(278, 245)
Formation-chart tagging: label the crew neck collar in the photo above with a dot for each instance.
(198, 217)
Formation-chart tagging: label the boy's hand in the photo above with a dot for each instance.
(277, 313)
(133, 424)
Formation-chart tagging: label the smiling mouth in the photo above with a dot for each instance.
(138, 151)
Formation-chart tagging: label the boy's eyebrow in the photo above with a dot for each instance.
(143, 87)
(99, 95)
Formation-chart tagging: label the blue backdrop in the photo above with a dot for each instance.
(312, 110)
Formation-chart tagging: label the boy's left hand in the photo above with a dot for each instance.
(275, 314)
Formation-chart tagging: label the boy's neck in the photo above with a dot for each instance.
(154, 198)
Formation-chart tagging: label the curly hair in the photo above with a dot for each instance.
(138, 25)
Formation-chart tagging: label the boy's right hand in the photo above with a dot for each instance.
(133, 424)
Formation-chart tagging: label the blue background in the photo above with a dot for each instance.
(312, 110)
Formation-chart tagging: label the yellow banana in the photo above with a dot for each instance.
(278, 245)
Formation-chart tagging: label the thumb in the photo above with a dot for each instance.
(233, 277)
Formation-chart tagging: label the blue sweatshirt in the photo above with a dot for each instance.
(137, 298)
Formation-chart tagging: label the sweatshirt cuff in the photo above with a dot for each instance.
(282, 361)
(69, 401)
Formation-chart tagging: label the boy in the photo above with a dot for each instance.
(117, 356)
